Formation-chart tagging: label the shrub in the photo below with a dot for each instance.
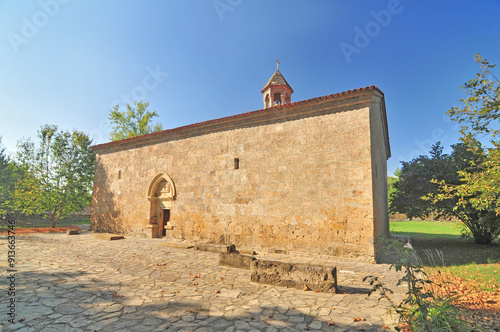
(421, 310)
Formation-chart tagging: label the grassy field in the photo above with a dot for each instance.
(426, 229)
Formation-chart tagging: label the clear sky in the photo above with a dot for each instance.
(67, 62)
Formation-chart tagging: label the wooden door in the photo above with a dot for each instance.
(164, 220)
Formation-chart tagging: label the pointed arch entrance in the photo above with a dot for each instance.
(161, 193)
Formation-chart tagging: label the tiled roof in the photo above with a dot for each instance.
(277, 79)
(270, 109)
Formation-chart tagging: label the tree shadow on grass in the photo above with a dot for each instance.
(449, 252)
(429, 236)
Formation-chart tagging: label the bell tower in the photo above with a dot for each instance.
(277, 91)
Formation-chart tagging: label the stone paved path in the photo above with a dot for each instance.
(79, 283)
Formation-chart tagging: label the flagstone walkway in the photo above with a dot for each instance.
(80, 283)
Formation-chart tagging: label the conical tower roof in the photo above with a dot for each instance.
(277, 79)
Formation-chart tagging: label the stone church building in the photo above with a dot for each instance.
(307, 176)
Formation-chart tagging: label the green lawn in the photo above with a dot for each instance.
(39, 222)
(426, 229)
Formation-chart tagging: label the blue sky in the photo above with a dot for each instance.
(67, 62)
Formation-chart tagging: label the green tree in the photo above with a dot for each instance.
(391, 180)
(133, 122)
(479, 115)
(477, 194)
(480, 223)
(7, 179)
(418, 191)
(58, 174)
(414, 183)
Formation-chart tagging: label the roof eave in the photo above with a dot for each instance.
(138, 139)
(287, 86)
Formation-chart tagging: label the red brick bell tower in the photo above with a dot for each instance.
(277, 91)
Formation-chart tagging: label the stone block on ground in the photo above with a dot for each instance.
(72, 232)
(177, 245)
(236, 260)
(278, 251)
(246, 252)
(108, 236)
(215, 248)
(295, 275)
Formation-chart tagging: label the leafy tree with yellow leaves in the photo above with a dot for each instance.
(479, 185)
(133, 122)
(58, 174)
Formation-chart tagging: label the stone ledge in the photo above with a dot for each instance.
(246, 252)
(215, 248)
(108, 236)
(72, 232)
(299, 275)
(177, 245)
(236, 260)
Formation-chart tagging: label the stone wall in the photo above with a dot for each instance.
(380, 154)
(305, 180)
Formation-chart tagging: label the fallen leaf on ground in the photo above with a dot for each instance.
(468, 292)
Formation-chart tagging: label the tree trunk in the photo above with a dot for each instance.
(53, 219)
(481, 233)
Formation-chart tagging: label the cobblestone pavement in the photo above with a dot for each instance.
(80, 283)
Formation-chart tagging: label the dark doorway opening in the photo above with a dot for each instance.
(165, 219)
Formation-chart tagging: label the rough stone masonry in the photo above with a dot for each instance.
(305, 176)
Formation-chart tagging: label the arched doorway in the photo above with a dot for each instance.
(161, 193)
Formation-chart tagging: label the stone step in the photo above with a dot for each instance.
(177, 245)
(108, 236)
(215, 248)
(236, 260)
(246, 252)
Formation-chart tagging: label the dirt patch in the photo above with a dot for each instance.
(19, 231)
